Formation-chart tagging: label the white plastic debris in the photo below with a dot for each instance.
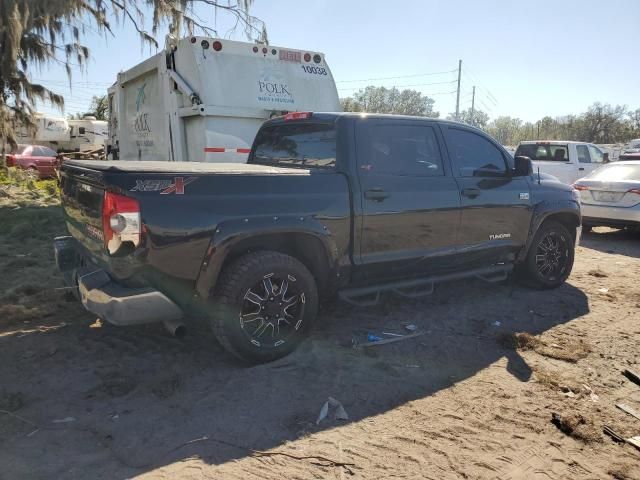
(339, 412)
(411, 327)
(603, 290)
(64, 420)
(497, 323)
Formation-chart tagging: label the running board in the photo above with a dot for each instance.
(420, 287)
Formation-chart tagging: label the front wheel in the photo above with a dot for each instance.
(264, 305)
(550, 257)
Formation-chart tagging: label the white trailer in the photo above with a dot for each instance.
(86, 134)
(49, 131)
(203, 99)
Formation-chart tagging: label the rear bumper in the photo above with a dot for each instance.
(120, 305)
(595, 215)
(106, 298)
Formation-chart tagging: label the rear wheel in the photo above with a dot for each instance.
(550, 257)
(264, 305)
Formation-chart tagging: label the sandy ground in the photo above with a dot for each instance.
(465, 400)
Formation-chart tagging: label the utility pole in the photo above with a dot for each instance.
(473, 104)
(458, 96)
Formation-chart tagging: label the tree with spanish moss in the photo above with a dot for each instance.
(37, 34)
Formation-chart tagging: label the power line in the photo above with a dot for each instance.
(400, 76)
(482, 85)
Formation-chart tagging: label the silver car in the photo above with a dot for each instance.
(610, 196)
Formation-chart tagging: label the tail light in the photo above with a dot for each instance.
(634, 190)
(580, 187)
(11, 161)
(120, 221)
(297, 116)
(307, 57)
(217, 46)
(317, 58)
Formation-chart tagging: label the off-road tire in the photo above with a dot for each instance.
(529, 270)
(229, 297)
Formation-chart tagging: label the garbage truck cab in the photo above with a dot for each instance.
(203, 99)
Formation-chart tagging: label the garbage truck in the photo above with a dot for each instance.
(203, 99)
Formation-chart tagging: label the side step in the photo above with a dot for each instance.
(420, 287)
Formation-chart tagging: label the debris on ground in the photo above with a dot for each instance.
(597, 273)
(569, 350)
(384, 341)
(576, 426)
(64, 420)
(339, 412)
(631, 375)
(627, 409)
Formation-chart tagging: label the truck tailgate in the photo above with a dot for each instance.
(82, 192)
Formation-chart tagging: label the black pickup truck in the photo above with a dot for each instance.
(328, 204)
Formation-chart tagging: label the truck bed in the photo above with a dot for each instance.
(203, 168)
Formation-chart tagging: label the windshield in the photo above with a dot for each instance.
(544, 151)
(612, 172)
(301, 145)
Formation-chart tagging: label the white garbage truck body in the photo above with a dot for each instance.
(203, 99)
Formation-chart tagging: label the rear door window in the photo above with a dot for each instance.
(302, 145)
(472, 153)
(583, 154)
(596, 154)
(399, 149)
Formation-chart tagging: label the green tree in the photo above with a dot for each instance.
(99, 107)
(37, 34)
(479, 118)
(390, 100)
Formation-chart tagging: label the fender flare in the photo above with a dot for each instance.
(230, 233)
(541, 212)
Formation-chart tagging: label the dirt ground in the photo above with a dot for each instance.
(473, 398)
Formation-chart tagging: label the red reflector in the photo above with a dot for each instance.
(193, 39)
(217, 46)
(307, 57)
(255, 49)
(297, 115)
(580, 187)
(264, 50)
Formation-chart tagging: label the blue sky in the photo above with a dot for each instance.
(527, 58)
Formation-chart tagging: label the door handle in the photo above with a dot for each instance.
(378, 194)
(581, 168)
(471, 192)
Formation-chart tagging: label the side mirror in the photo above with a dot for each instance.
(522, 166)
(605, 157)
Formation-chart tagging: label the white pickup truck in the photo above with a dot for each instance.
(567, 161)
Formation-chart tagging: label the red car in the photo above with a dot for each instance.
(41, 161)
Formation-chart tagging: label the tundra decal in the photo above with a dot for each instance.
(165, 187)
(499, 236)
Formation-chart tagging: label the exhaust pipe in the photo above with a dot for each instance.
(175, 328)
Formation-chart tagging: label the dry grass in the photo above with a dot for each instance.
(577, 426)
(569, 350)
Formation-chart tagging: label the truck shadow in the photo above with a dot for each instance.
(608, 240)
(141, 400)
